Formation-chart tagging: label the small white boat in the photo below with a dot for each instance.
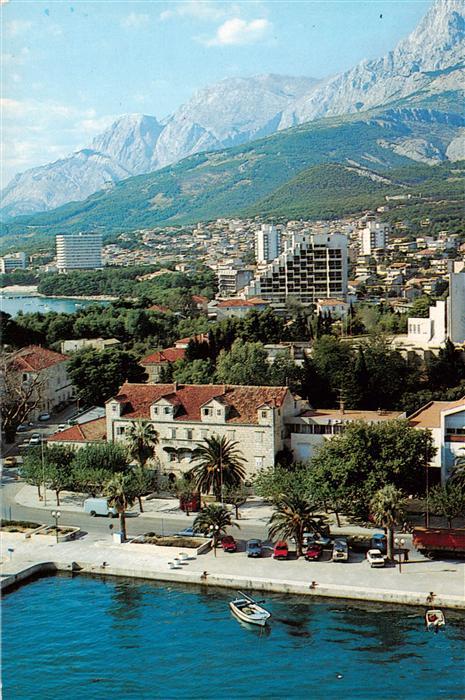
(435, 619)
(246, 609)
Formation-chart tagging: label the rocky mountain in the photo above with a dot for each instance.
(429, 61)
(425, 71)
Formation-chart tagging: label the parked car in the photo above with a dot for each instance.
(379, 541)
(340, 549)
(22, 428)
(254, 548)
(281, 550)
(99, 506)
(36, 439)
(314, 551)
(375, 558)
(62, 427)
(44, 416)
(229, 544)
(316, 538)
(189, 532)
(10, 462)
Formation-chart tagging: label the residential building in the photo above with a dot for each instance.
(446, 318)
(79, 251)
(14, 261)
(238, 308)
(95, 343)
(446, 420)
(338, 308)
(313, 427)
(184, 415)
(374, 236)
(76, 436)
(154, 363)
(48, 370)
(231, 280)
(267, 243)
(314, 266)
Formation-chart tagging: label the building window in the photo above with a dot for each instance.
(189, 434)
(259, 462)
(207, 411)
(167, 410)
(114, 408)
(155, 410)
(264, 414)
(173, 433)
(219, 412)
(120, 430)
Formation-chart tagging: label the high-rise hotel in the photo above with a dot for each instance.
(79, 251)
(313, 267)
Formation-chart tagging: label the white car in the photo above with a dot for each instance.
(62, 427)
(36, 439)
(375, 558)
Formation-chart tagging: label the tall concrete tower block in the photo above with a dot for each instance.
(456, 307)
(267, 243)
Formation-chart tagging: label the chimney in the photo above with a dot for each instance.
(342, 405)
(175, 386)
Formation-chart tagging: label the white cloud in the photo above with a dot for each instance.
(17, 27)
(237, 32)
(204, 10)
(134, 20)
(36, 132)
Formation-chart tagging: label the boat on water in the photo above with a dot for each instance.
(248, 610)
(434, 619)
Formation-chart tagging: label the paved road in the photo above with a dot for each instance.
(136, 524)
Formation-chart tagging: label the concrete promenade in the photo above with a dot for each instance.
(352, 580)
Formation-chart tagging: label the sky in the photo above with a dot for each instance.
(69, 68)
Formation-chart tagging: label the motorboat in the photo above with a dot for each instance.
(248, 610)
(434, 619)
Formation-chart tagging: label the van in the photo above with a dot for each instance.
(340, 549)
(379, 541)
(99, 506)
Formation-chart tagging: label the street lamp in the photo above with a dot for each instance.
(56, 514)
(399, 544)
(214, 532)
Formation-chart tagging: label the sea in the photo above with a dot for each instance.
(86, 638)
(13, 303)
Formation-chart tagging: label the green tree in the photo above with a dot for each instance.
(141, 440)
(94, 465)
(184, 488)
(386, 508)
(236, 496)
(220, 464)
(98, 375)
(143, 481)
(245, 363)
(195, 372)
(457, 475)
(213, 520)
(272, 483)
(448, 500)
(119, 491)
(33, 470)
(366, 457)
(292, 517)
(420, 307)
(58, 464)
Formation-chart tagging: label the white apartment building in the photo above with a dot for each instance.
(14, 261)
(446, 318)
(374, 236)
(184, 415)
(313, 267)
(231, 280)
(267, 244)
(79, 251)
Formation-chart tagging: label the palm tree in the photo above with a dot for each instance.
(292, 517)
(220, 464)
(214, 520)
(386, 508)
(141, 439)
(457, 475)
(119, 491)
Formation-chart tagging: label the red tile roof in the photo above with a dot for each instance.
(92, 431)
(160, 309)
(226, 303)
(198, 299)
(350, 414)
(429, 416)
(243, 401)
(162, 356)
(34, 358)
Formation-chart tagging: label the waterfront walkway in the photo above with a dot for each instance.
(97, 554)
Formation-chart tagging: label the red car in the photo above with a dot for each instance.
(281, 550)
(313, 552)
(229, 544)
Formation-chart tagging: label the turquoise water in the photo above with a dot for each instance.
(84, 638)
(11, 304)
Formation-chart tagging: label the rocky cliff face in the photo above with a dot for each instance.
(428, 63)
